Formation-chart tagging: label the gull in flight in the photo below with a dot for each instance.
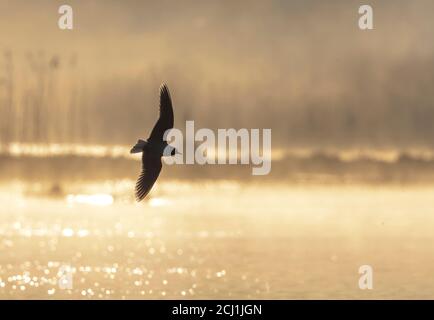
(155, 147)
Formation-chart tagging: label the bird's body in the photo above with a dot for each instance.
(155, 146)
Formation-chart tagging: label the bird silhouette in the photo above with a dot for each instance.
(155, 147)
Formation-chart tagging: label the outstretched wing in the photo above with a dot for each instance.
(166, 115)
(151, 167)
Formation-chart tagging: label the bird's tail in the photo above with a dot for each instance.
(139, 146)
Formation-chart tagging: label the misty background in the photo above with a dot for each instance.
(360, 103)
(301, 68)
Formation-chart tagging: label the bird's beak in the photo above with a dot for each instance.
(177, 152)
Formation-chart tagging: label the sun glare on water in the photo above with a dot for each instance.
(91, 199)
(159, 202)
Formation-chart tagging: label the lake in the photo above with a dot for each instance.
(215, 239)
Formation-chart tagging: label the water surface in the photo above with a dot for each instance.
(215, 240)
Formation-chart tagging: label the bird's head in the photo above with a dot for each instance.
(170, 151)
(174, 152)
